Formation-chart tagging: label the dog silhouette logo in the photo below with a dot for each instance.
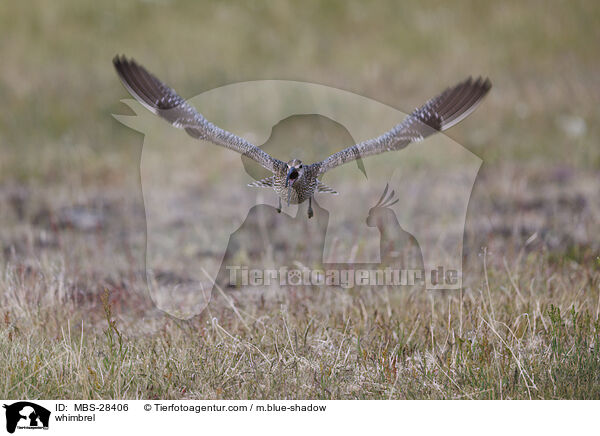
(26, 415)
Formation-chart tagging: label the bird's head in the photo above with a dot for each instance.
(295, 171)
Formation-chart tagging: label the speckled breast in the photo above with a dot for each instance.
(301, 190)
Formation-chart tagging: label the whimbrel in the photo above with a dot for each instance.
(293, 181)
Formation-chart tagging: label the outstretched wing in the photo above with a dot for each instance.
(164, 102)
(438, 114)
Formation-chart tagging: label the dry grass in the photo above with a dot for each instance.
(78, 321)
(514, 336)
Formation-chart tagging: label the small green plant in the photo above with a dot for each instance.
(117, 350)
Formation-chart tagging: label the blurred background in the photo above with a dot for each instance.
(59, 89)
(58, 86)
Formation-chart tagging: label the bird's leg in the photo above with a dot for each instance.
(310, 209)
(279, 208)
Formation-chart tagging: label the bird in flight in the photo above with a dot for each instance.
(293, 181)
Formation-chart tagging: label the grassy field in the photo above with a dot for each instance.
(76, 318)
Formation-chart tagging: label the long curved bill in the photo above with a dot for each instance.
(289, 185)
